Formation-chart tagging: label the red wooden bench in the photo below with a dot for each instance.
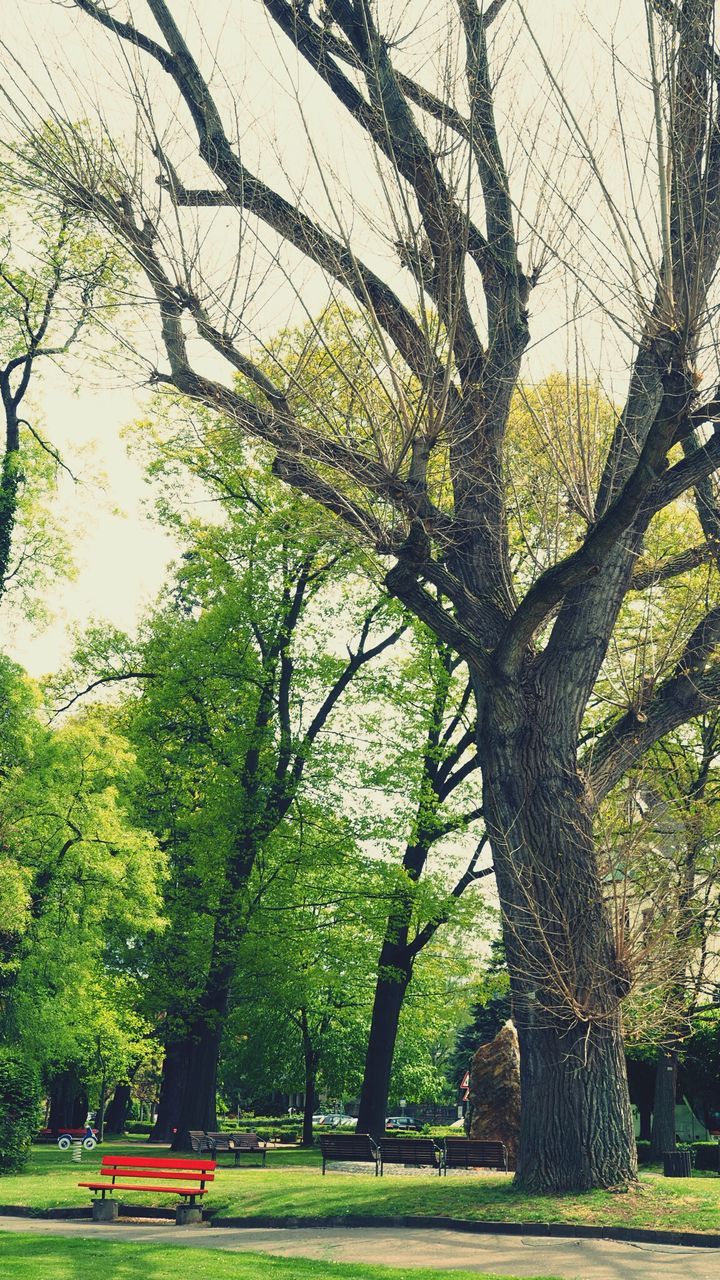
(119, 1173)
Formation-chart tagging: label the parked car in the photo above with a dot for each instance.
(318, 1119)
(332, 1120)
(401, 1122)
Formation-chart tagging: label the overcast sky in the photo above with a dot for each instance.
(122, 557)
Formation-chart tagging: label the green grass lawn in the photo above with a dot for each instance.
(292, 1185)
(26, 1257)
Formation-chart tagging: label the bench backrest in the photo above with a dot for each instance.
(349, 1146)
(409, 1150)
(246, 1141)
(475, 1153)
(198, 1139)
(157, 1167)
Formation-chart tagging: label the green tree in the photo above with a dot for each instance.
(90, 885)
(241, 677)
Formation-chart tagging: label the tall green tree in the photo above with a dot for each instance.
(240, 679)
(460, 235)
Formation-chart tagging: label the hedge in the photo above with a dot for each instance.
(19, 1103)
(704, 1155)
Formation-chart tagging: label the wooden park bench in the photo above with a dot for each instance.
(239, 1143)
(199, 1140)
(474, 1153)
(350, 1147)
(420, 1152)
(183, 1178)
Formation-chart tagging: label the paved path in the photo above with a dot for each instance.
(406, 1248)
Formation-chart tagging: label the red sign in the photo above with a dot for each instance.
(465, 1082)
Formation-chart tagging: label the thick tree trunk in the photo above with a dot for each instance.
(68, 1101)
(663, 1123)
(394, 973)
(172, 1089)
(567, 980)
(201, 1051)
(198, 1106)
(117, 1110)
(576, 1124)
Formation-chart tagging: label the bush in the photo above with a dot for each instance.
(706, 1156)
(138, 1126)
(19, 1103)
(703, 1155)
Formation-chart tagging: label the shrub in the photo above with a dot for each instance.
(138, 1126)
(706, 1156)
(19, 1103)
(643, 1151)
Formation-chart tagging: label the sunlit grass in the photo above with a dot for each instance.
(292, 1185)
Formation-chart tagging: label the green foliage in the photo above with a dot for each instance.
(85, 881)
(19, 1110)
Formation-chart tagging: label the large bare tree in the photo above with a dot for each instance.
(472, 152)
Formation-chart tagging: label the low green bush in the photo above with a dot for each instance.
(138, 1126)
(19, 1105)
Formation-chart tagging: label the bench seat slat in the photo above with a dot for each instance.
(140, 1186)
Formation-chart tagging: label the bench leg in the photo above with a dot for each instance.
(187, 1214)
(105, 1210)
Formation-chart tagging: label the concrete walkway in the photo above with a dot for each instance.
(406, 1248)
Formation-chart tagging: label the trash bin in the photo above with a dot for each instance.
(677, 1164)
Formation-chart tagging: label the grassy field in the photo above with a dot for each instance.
(292, 1185)
(26, 1257)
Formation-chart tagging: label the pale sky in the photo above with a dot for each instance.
(122, 558)
(121, 554)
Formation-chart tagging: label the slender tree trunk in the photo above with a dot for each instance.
(310, 1059)
(663, 1123)
(395, 971)
(117, 1110)
(567, 981)
(172, 1089)
(9, 493)
(101, 1107)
